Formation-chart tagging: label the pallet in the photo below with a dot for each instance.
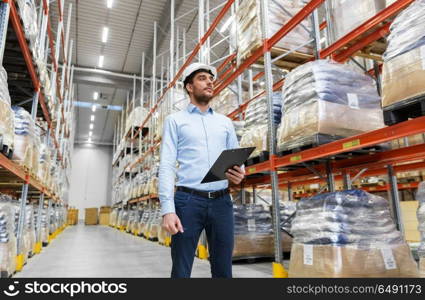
(153, 239)
(5, 274)
(262, 157)
(251, 259)
(404, 110)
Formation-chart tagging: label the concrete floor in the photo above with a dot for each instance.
(101, 251)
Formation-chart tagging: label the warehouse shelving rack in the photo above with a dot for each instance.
(340, 160)
(13, 175)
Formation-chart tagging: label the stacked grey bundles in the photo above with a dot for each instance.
(352, 217)
(7, 225)
(252, 219)
(287, 210)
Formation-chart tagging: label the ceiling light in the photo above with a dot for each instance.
(101, 58)
(105, 34)
(91, 126)
(109, 3)
(89, 140)
(226, 24)
(95, 95)
(92, 118)
(90, 133)
(93, 108)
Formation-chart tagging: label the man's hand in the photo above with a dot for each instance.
(171, 223)
(235, 175)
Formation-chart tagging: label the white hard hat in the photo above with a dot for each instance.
(198, 66)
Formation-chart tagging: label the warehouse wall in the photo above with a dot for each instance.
(91, 177)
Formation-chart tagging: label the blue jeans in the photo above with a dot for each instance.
(216, 217)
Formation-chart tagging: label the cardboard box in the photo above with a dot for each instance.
(91, 216)
(410, 220)
(104, 218)
(403, 76)
(105, 209)
(72, 216)
(325, 261)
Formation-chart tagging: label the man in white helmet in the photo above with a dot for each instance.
(194, 138)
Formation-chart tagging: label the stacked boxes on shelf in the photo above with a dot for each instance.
(348, 234)
(324, 101)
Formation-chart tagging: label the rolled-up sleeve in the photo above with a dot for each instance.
(167, 166)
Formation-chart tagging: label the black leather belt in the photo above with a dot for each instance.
(209, 195)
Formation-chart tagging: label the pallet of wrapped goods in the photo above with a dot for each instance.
(154, 224)
(7, 129)
(253, 235)
(348, 234)
(248, 23)
(8, 250)
(144, 221)
(420, 197)
(403, 91)
(226, 102)
(325, 101)
(24, 137)
(136, 118)
(348, 15)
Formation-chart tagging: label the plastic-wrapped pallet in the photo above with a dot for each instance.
(24, 137)
(253, 232)
(327, 100)
(155, 223)
(348, 234)
(404, 60)
(287, 210)
(6, 113)
(113, 217)
(28, 13)
(226, 102)
(248, 22)
(136, 118)
(420, 196)
(7, 239)
(144, 221)
(29, 229)
(124, 219)
(347, 15)
(255, 133)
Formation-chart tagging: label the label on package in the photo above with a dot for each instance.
(389, 261)
(353, 101)
(251, 224)
(308, 255)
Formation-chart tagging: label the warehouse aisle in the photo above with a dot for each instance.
(101, 251)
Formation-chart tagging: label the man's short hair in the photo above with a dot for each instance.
(189, 78)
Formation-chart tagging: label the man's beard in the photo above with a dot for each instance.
(202, 99)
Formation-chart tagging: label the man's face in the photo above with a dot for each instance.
(202, 87)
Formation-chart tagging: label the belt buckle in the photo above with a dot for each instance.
(210, 196)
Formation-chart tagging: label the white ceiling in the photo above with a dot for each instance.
(131, 24)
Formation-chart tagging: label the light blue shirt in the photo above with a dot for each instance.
(194, 140)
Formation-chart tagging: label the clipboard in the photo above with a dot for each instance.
(226, 160)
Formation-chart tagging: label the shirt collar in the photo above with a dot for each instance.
(191, 108)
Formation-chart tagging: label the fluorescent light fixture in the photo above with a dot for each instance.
(101, 58)
(91, 126)
(109, 3)
(226, 24)
(105, 34)
(95, 95)
(89, 140)
(93, 108)
(92, 118)
(90, 133)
